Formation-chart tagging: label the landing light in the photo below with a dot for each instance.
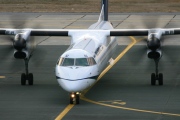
(72, 95)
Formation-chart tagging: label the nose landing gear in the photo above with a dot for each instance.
(26, 76)
(156, 76)
(74, 98)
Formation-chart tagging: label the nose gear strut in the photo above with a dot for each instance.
(156, 76)
(26, 76)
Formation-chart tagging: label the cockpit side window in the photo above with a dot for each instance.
(91, 61)
(60, 61)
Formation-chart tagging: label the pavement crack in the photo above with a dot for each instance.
(62, 28)
(122, 21)
(43, 40)
(170, 21)
(74, 22)
(38, 16)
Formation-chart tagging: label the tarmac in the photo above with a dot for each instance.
(124, 92)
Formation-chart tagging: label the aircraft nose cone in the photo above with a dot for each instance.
(74, 79)
(72, 73)
(76, 85)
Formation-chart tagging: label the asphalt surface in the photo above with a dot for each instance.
(123, 93)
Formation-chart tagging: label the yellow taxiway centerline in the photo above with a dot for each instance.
(111, 65)
(64, 112)
(70, 106)
(134, 41)
(118, 58)
(1, 77)
(130, 109)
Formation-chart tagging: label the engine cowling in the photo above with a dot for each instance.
(154, 54)
(153, 42)
(19, 42)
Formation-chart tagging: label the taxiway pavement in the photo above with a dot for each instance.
(123, 93)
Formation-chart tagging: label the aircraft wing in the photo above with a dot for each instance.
(112, 32)
(143, 32)
(35, 32)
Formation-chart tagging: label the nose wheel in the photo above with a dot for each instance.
(25, 78)
(156, 76)
(74, 98)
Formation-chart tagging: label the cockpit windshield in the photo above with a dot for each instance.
(76, 61)
(81, 62)
(68, 62)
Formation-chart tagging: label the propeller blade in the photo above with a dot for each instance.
(151, 21)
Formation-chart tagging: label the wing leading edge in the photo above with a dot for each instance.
(112, 32)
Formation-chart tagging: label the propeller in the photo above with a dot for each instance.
(140, 52)
(16, 43)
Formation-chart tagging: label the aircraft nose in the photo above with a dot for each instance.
(73, 73)
(75, 85)
(74, 79)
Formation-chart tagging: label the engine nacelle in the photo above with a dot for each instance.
(19, 42)
(153, 42)
(154, 54)
(20, 54)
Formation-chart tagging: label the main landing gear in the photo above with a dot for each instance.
(156, 76)
(26, 76)
(74, 98)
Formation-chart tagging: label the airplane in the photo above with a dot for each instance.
(89, 52)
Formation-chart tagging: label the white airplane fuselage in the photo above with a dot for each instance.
(88, 55)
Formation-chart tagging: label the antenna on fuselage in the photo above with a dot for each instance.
(105, 3)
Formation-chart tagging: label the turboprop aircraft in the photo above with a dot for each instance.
(89, 52)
